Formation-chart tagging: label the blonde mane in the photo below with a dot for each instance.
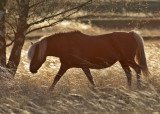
(42, 49)
(32, 50)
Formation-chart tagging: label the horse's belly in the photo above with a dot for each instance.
(92, 63)
(100, 65)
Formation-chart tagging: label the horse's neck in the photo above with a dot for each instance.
(54, 47)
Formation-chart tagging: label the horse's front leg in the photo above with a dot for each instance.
(60, 73)
(88, 74)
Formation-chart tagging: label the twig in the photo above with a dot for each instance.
(36, 4)
(12, 41)
(11, 26)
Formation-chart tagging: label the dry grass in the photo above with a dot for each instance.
(28, 93)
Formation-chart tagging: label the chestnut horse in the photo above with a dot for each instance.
(77, 50)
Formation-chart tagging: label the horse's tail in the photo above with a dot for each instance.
(140, 54)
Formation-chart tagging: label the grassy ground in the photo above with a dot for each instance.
(28, 93)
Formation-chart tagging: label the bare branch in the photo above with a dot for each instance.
(63, 12)
(45, 26)
(54, 23)
(7, 45)
(36, 4)
(7, 35)
(13, 29)
(12, 41)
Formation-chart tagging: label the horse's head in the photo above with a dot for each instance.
(37, 56)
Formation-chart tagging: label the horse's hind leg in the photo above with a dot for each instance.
(127, 70)
(88, 74)
(137, 69)
(60, 73)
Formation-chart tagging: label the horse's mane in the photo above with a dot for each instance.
(42, 46)
(72, 32)
(31, 50)
(57, 35)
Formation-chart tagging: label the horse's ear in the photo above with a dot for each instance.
(31, 43)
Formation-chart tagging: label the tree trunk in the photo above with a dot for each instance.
(2, 33)
(22, 27)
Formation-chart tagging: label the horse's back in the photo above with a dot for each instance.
(104, 45)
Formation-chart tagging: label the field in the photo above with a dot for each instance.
(28, 93)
